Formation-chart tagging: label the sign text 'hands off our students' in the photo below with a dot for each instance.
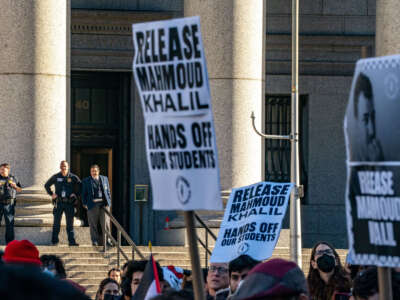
(373, 163)
(171, 76)
(252, 221)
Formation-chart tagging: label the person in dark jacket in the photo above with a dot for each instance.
(9, 186)
(96, 195)
(64, 197)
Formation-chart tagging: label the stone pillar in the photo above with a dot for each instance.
(34, 77)
(387, 41)
(234, 36)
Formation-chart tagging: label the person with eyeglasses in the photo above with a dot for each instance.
(217, 281)
(327, 277)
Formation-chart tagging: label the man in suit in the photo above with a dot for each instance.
(95, 196)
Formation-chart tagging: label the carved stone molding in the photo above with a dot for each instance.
(111, 22)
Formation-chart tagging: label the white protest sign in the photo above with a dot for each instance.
(372, 127)
(252, 221)
(171, 77)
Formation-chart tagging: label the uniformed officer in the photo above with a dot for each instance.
(9, 186)
(66, 186)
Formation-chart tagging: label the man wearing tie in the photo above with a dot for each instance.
(95, 196)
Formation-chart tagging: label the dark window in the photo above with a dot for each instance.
(94, 106)
(81, 105)
(277, 152)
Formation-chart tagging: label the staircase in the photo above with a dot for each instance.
(88, 265)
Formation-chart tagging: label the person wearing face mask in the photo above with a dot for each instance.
(108, 290)
(326, 276)
(52, 264)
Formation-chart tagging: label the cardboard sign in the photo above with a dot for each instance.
(170, 72)
(372, 128)
(252, 221)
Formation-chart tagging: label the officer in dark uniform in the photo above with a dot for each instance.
(66, 188)
(9, 186)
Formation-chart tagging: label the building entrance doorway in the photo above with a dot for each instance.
(100, 127)
(83, 158)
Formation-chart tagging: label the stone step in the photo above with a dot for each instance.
(87, 274)
(85, 261)
(33, 198)
(27, 209)
(91, 289)
(87, 281)
(40, 220)
(87, 268)
(41, 235)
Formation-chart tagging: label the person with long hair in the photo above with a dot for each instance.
(326, 275)
(107, 286)
(54, 265)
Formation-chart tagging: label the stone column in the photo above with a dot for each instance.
(234, 36)
(34, 76)
(387, 40)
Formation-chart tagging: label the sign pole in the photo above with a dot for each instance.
(295, 204)
(197, 276)
(385, 283)
(295, 207)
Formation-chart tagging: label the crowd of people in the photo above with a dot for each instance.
(26, 275)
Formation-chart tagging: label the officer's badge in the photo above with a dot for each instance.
(69, 180)
(2, 182)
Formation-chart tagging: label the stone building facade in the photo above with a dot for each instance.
(66, 79)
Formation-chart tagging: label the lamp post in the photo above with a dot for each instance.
(295, 205)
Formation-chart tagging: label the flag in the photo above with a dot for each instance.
(149, 286)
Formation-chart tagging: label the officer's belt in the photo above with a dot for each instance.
(65, 200)
(7, 201)
(98, 200)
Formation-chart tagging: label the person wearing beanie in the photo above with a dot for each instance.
(22, 252)
(275, 279)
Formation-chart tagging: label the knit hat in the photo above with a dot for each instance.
(22, 252)
(276, 277)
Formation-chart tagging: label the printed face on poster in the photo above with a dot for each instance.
(170, 72)
(252, 221)
(372, 128)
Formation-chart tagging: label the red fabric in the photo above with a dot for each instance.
(23, 252)
(176, 273)
(76, 285)
(157, 280)
(276, 267)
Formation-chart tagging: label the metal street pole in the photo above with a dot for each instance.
(385, 283)
(197, 274)
(295, 207)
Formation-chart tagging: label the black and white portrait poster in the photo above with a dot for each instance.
(170, 72)
(372, 132)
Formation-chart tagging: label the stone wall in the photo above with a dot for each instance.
(333, 36)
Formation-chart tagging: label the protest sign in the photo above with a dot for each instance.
(252, 221)
(372, 128)
(170, 72)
